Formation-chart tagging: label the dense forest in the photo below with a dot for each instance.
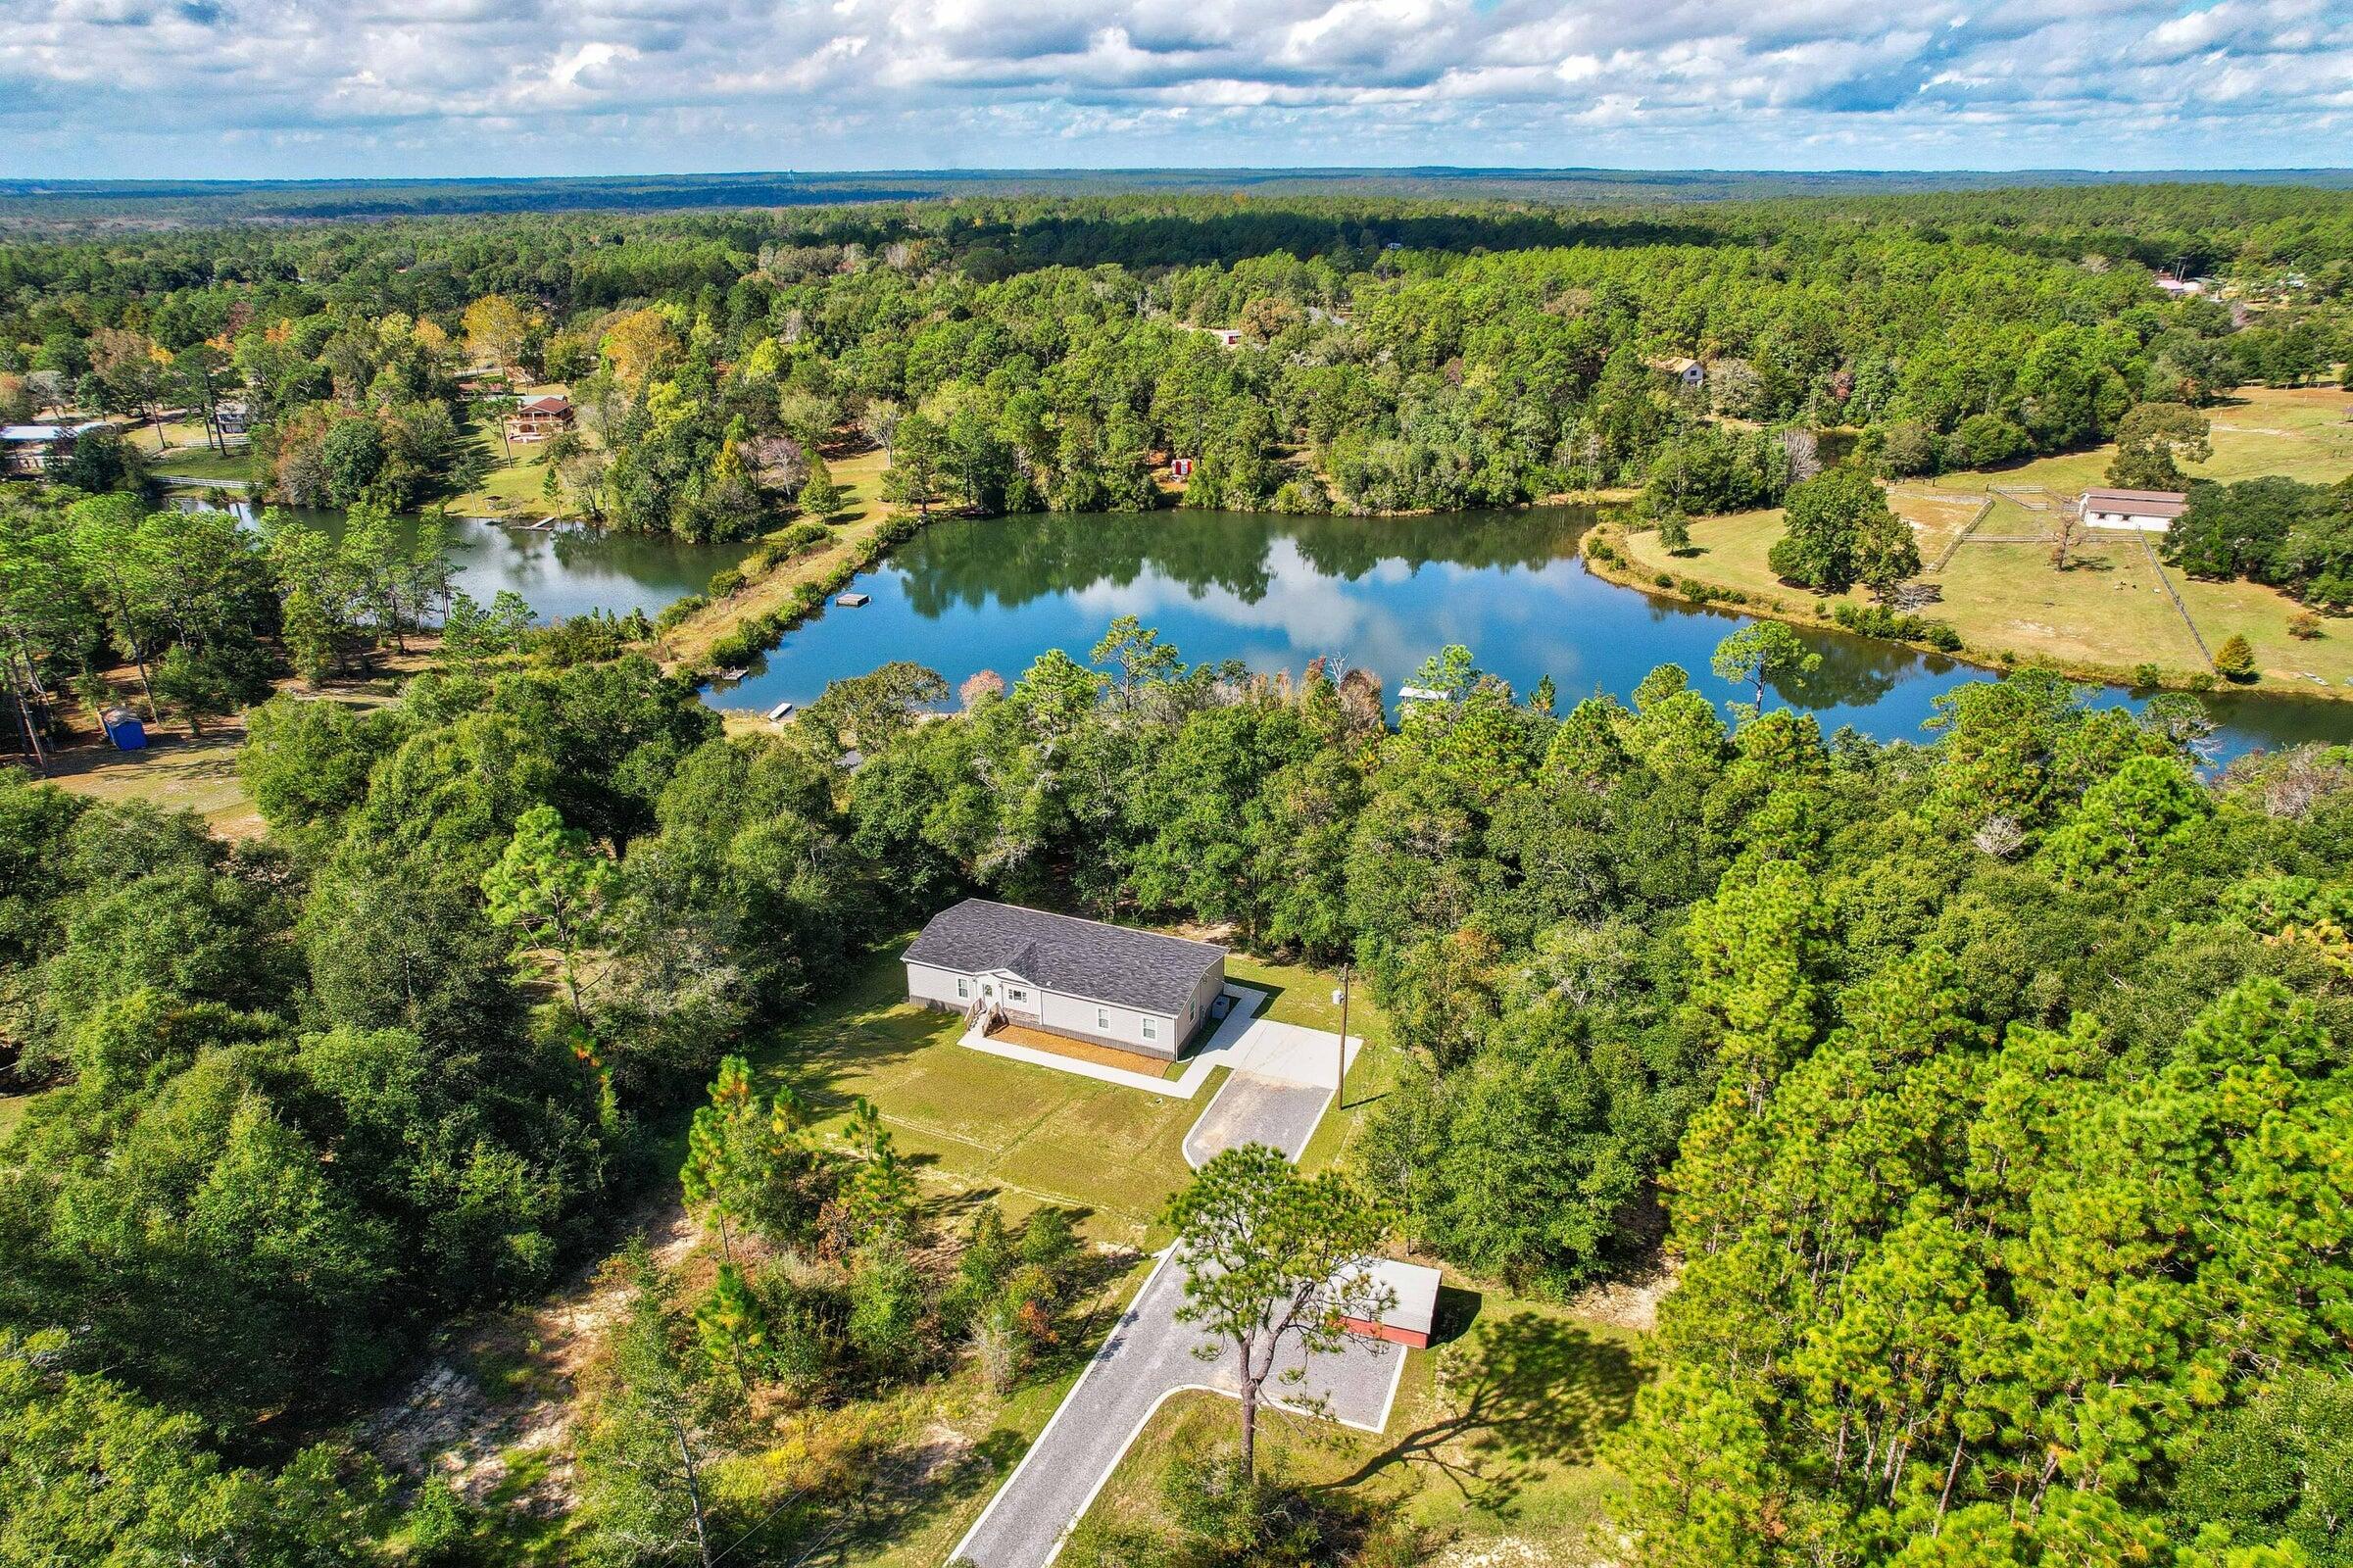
(1982, 1099)
(1019, 353)
(1993, 1087)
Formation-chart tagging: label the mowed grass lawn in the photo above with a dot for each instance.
(1493, 1440)
(978, 1126)
(2108, 613)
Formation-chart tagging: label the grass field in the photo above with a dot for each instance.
(12, 1112)
(978, 1126)
(2108, 613)
(1493, 1441)
(516, 482)
(173, 773)
(200, 462)
(863, 511)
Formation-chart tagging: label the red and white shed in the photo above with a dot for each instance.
(1410, 1311)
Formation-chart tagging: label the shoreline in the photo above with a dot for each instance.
(1620, 569)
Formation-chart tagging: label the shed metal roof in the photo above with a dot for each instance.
(1062, 952)
(1414, 1287)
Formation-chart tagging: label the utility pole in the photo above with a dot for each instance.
(1340, 1086)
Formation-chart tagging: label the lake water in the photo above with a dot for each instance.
(1379, 594)
(563, 572)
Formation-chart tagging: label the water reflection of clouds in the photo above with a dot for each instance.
(1274, 594)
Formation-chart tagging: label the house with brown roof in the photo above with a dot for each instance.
(540, 419)
(2137, 510)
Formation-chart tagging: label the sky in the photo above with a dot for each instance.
(266, 89)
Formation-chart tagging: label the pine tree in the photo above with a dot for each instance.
(820, 497)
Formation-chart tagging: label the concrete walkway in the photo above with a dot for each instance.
(1242, 1040)
(1270, 1099)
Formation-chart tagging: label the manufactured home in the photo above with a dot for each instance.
(1106, 985)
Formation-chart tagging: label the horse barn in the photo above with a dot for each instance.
(1085, 980)
(2141, 511)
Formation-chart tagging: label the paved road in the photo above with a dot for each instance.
(1150, 1355)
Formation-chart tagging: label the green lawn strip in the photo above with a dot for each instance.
(1493, 1434)
(975, 1124)
(12, 1109)
(203, 463)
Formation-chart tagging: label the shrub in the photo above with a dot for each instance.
(1665, 580)
(724, 582)
(734, 651)
(1878, 621)
(2235, 659)
(2304, 625)
(2147, 676)
(676, 611)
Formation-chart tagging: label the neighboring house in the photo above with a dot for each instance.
(231, 418)
(2180, 286)
(1228, 337)
(1110, 985)
(539, 418)
(27, 449)
(1409, 1314)
(1691, 373)
(2141, 511)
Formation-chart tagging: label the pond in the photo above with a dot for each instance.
(1379, 593)
(562, 572)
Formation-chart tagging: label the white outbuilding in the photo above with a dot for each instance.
(2138, 511)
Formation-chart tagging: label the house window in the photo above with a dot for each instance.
(1015, 994)
(1152, 1029)
(1103, 1018)
(963, 990)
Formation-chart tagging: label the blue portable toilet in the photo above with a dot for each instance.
(124, 728)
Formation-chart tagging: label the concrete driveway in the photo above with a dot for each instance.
(1274, 1098)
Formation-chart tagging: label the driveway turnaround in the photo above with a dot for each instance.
(1150, 1355)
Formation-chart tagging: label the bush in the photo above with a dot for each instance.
(1665, 580)
(724, 582)
(1878, 621)
(2304, 625)
(674, 614)
(734, 651)
(1708, 593)
(2235, 659)
(2147, 676)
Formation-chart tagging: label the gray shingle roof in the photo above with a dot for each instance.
(1088, 959)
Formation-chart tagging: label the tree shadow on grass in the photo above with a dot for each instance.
(905, 1488)
(1513, 1394)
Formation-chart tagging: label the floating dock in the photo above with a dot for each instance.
(849, 601)
(777, 712)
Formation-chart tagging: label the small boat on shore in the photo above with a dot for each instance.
(776, 714)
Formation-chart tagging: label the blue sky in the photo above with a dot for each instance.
(254, 89)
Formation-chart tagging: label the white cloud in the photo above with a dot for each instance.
(251, 88)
